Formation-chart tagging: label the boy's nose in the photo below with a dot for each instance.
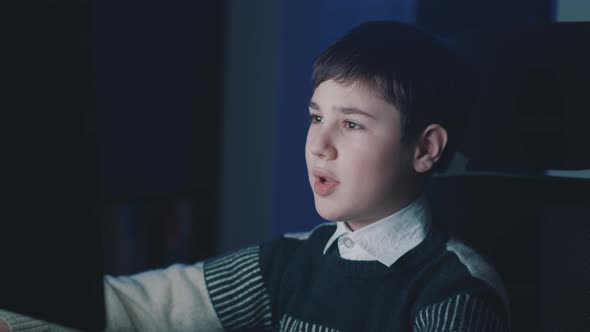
(321, 146)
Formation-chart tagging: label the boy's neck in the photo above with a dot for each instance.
(358, 224)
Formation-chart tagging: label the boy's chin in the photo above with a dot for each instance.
(331, 213)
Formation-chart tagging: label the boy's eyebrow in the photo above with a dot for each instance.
(345, 110)
(314, 106)
(354, 110)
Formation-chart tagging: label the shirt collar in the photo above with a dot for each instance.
(385, 240)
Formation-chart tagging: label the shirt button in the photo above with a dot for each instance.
(347, 242)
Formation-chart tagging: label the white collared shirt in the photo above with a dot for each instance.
(385, 240)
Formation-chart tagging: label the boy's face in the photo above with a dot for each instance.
(358, 168)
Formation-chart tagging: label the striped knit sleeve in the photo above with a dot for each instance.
(461, 313)
(237, 290)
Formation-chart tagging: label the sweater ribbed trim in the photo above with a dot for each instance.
(461, 312)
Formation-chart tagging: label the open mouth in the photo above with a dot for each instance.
(324, 186)
(324, 182)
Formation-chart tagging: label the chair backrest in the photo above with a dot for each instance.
(532, 115)
(535, 231)
(532, 107)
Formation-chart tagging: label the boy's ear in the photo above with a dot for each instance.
(429, 148)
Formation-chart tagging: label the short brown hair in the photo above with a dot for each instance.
(410, 69)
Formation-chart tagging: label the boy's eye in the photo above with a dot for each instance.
(316, 118)
(352, 125)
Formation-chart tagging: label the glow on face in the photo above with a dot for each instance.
(356, 163)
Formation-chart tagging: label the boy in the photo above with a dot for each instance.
(383, 117)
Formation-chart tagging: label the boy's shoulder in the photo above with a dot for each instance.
(477, 266)
(459, 273)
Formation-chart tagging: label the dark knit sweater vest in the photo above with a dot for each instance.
(290, 285)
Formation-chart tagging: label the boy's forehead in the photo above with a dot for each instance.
(332, 94)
